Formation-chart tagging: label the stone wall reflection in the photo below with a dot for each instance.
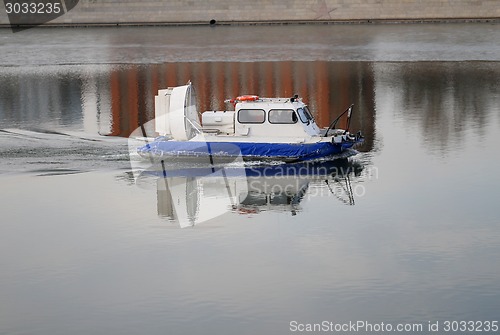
(39, 101)
(328, 87)
(444, 101)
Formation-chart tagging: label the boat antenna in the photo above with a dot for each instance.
(349, 114)
(334, 122)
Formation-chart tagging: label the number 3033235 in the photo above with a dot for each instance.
(33, 8)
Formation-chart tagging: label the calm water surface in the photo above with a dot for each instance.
(407, 230)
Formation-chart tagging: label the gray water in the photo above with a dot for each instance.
(89, 245)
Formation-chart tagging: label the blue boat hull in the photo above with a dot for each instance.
(248, 151)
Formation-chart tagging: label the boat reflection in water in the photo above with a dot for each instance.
(189, 195)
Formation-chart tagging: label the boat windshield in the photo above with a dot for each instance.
(304, 114)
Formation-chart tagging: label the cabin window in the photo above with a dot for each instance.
(282, 116)
(251, 116)
(304, 114)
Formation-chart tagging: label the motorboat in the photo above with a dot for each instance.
(253, 128)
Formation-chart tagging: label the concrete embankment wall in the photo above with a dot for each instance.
(96, 12)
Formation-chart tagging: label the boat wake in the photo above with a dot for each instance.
(47, 152)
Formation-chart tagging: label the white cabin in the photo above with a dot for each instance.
(282, 119)
(263, 117)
